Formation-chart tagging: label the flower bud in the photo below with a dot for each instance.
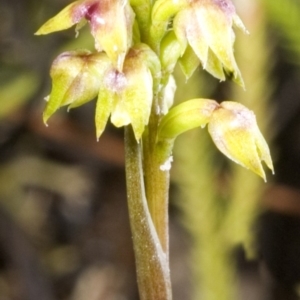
(234, 131)
(169, 52)
(162, 11)
(111, 24)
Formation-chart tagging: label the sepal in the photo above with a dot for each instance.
(63, 20)
(189, 62)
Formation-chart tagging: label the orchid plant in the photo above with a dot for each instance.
(137, 47)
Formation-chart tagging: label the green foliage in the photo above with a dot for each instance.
(15, 92)
(285, 16)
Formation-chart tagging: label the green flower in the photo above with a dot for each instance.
(234, 131)
(111, 23)
(231, 125)
(127, 95)
(76, 79)
(206, 25)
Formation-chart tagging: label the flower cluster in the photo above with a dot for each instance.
(133, 65)
(117, 75)
(206, 27)
(80, 76)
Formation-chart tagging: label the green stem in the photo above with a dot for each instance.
(152, 266)
(157, 181)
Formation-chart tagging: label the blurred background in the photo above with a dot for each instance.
(64, 231)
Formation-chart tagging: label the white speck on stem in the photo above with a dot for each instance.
(158, 110)
(166, 166)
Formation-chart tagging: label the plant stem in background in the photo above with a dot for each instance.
(246, 189)
(203, 214)
(216, 227)
(196, 172)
